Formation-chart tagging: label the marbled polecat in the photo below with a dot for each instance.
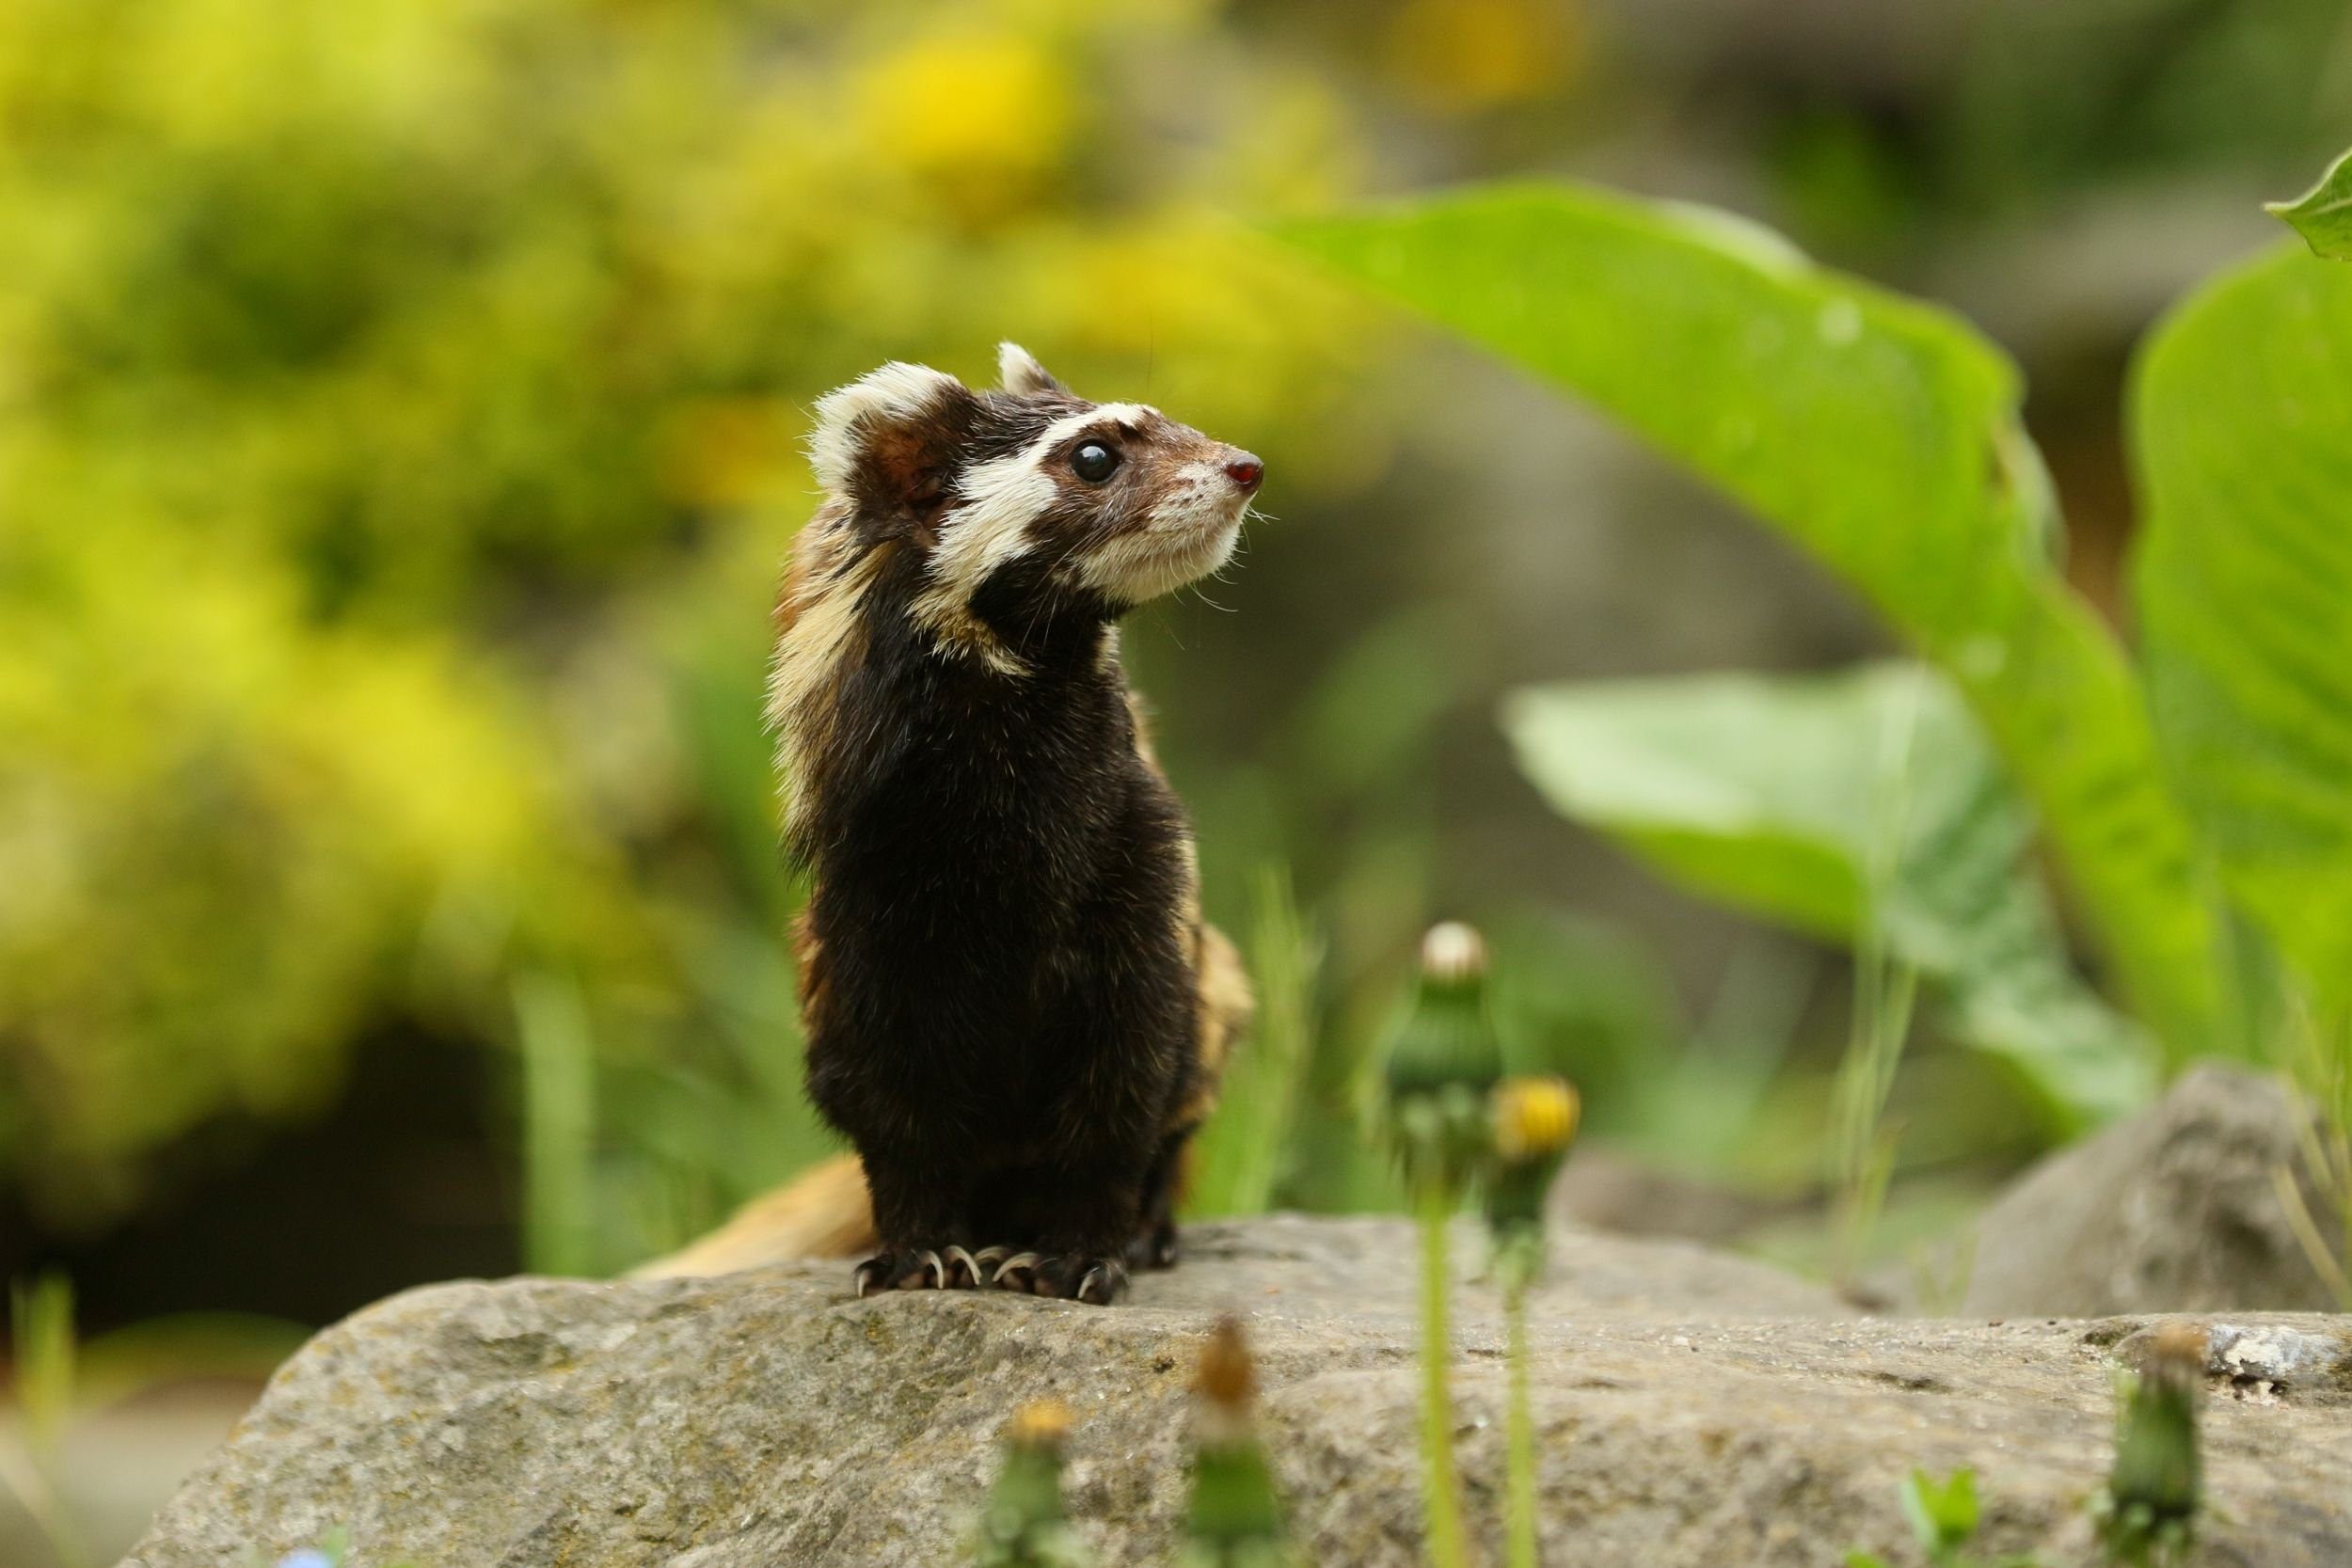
(1013, 1007)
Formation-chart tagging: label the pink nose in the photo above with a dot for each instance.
(1246, 471)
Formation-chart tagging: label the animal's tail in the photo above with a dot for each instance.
(823, 1212)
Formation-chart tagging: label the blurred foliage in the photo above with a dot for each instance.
(2054, 96)
(43, 1358)
(402, 406)
(1879, 433)
(1774, 795)
(1885, 440)
(1238, 1164)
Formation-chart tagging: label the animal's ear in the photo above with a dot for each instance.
(889, 443)
(1022, 375)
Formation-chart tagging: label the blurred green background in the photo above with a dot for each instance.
(400, 409)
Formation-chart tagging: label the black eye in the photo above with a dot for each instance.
(1095, 462)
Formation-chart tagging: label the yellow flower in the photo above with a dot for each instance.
(983, 119)
(1039, 1423)
(1535, 1118)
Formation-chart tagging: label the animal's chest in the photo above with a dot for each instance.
(983, 820)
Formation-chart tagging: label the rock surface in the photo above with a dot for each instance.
(1692, 1409)
(2171, 1210)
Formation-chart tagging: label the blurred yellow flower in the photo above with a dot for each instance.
(1534, 1118)
(1466, 55)
(981, 119)
(402, 401)
(729, 451)
(1039, 1423)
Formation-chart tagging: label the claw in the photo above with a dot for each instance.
(975, 1268)
(1102, 1283)
(1021, 1263)
(866, 1275)
(934, 1267)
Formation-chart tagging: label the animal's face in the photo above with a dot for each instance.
(1027, 499)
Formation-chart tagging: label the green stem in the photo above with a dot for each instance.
(1519, 1502)
(1441, 1492)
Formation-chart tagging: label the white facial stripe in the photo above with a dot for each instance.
(1001, 498)
(1127, 415)
(895, 391)
(990, 529)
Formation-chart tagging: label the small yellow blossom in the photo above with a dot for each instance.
(1039, 1423)
(985, 118)
(1533, 1117)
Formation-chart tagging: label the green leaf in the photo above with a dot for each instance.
(1802, 797)
(1943, 1515)
(46, 1355)
(2242, 424)
(1880, 435)
(2323, 214)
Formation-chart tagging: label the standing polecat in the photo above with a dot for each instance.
(1013, 1008)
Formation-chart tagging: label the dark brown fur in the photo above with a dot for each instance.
(1013, 1008)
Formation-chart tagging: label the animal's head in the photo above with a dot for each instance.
(1026, 500)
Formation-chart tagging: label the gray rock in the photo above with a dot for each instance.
(1604, 1190)
(2266, 1360)
(2172, 1211)
(1692, 1409)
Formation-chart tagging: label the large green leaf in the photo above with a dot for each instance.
(1879, 433)
(1824, 800)
(2323, 214)
(2242, 431)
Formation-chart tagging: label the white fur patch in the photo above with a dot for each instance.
(807, 657)
(1129, 415)
(991, 527)
(895, 391)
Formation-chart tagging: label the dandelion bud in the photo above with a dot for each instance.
(2156, 1484)
(1236, 1518)
(1442, 1058)
(1024, 1525)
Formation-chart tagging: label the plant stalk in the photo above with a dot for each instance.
(1440, 1488)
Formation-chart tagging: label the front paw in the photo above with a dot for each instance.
(1072, 1276)
(901, 1269)
(1155, 1248)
